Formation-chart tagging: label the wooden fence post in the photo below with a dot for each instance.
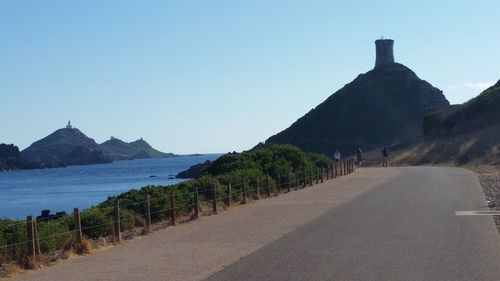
(297, 180)
(214, 201)
(229, 195)
(37, 241)
(278, 185)
(147, 207)
(289, 182)
(116, 218)
(257, 189)
(317, 175)
(78, 225)
(31, 239)
(173, 215)
(311, 178)
(268, 186)
(244, 192)
(305, 179)
(196, 203)
(322, 174)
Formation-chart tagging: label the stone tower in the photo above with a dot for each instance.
(385, 52)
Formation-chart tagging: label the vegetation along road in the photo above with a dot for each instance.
(378, 224)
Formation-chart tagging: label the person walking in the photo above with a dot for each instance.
(337, 155)
(385, 157)
(359, 156)
(336, 158)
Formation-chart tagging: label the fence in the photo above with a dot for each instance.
(44, 235)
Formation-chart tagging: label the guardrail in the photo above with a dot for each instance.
(205, 201)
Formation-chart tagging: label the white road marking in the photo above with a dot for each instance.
(477, 213)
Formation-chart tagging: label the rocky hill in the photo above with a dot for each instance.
(11, 158)
(461, 134)
(384, 106)
(194, 171)
(64, 147)
(139, 149)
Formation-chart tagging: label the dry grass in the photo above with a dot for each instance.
(72, 247)
(10, 270)
(139, 221)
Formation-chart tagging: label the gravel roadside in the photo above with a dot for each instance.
(490, 183)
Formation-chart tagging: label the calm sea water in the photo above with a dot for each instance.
(30, 191)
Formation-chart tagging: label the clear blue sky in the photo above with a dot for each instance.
(218, 76)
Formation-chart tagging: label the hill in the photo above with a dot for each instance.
(11, 158)
(384, 106)
(462, 134)
(139, 149)
(194, 171)
(64, 147)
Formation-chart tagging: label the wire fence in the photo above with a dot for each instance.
(36, 236)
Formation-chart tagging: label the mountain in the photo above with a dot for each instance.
(67, 146)
(384, 106)
(139, 149)
(462, 134)
(11, 158)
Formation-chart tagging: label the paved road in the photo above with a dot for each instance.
(378, 224)
(195, 250)
(405, 229)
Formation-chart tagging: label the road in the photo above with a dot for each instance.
(378, 224)
(403, 230)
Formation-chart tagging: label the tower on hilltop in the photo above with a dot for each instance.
(68, 126)
(385, 52)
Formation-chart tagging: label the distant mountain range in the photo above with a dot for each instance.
(139, 149)
(69, 146)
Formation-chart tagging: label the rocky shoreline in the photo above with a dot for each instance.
(491, 187)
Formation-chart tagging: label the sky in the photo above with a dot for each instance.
(219, 76)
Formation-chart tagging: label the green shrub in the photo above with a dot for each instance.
(96, 222)
(53, 234)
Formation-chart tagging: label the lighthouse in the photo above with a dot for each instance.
(384, 51)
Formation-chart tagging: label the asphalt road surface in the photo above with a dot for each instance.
(405, 229)
(377, 224)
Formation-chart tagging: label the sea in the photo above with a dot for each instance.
(28, 192)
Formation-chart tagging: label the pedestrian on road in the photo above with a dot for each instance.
(337, 156)
(359, 156)
(385, 156)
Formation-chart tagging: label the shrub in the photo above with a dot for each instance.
(96, 222)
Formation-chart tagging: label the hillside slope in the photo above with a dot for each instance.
(381, 107)
(461, 134)
(66, 146)
(139, 149)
